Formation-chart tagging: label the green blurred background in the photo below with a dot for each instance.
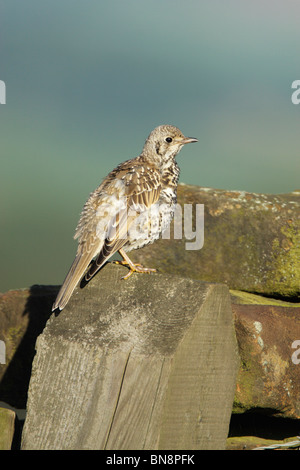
(87, 81)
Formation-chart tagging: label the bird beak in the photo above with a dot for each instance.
(188, 140)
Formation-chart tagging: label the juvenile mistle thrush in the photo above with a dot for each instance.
(133, 205)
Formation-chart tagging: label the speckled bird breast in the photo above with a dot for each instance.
(151, 223)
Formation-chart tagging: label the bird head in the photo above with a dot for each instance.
(164, 143)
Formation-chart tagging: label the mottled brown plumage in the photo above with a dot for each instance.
(133, 205)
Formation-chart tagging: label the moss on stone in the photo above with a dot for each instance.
(7, 419)
(285, 274)
(247, 298)
(247, 378)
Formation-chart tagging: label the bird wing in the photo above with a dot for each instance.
(88, 248)
(75, 273)
(141, 189)
(105, 219)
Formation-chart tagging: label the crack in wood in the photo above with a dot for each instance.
(118, 400)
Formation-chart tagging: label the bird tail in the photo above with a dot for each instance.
(76, 271)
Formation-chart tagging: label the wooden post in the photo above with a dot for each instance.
(147, 363)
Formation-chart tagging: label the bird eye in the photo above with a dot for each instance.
(168, 139)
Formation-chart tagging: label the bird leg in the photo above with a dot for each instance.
(138, 268)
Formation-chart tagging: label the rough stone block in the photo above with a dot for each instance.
(268, 335)
(251, 242)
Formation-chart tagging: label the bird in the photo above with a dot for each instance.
(131, 208)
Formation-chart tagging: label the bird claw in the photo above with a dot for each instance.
(138, 268)
(123, 263)
(135, 268)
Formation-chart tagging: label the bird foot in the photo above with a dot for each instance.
(135, 268)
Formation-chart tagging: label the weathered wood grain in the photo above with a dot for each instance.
(147, 363)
